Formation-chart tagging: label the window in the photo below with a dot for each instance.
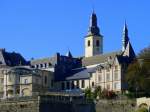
(45, 79)
(72, 85)
(52, 83)
(77, 83)
(45, 65)
(99, 70)
(116, 67)
(68, 85)
(108, 86)
(116, 85)
(49, 64)
(107, 77)
(92, 84)
(1, 81)
(37, 66)
(62, 85)
(41, 65)
(116, 76)
(25, 81)
(100, 78)
(97, 43)
(9, 78)
(89, 43)
(83, 84)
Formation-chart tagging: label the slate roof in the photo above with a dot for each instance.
(51, 60)
(43, 60)
(82, 74)
(11, 58)
(86, 61)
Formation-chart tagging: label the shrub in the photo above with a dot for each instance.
(143, 109)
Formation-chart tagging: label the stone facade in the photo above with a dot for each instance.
(24, 81)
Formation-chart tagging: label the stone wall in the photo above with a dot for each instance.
(45, 104)
(64, 104)
(116, 106)
(20, 105)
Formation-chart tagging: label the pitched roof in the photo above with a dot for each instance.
(129, 51)
(99, 58)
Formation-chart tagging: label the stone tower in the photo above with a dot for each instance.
(93, 40)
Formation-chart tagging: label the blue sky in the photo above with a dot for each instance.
(40, 28)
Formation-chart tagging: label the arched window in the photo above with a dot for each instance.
(89, 43)
(97, 43)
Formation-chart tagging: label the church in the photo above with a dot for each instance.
(95, 68)
(19, 77)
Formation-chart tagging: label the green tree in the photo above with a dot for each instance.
(138, 73)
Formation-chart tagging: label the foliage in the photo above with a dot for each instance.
(88, 93)
(145, 53)
(138, 73)
(97, 92)
(108, 94)
(142, 110)
(130, 95)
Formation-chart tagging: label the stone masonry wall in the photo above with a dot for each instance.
(45, 104)
(21, 105)
(116, 106)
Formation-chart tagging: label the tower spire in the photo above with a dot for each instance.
(125, 38)
(93, 28)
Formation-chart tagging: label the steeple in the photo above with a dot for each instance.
(93, 40)
(125, 38)
(93, 28)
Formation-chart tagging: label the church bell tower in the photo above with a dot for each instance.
(93, 40)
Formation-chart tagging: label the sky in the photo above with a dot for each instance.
(40, 28)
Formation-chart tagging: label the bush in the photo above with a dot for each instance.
(108, 94)
(142, 110)
(88, 93)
